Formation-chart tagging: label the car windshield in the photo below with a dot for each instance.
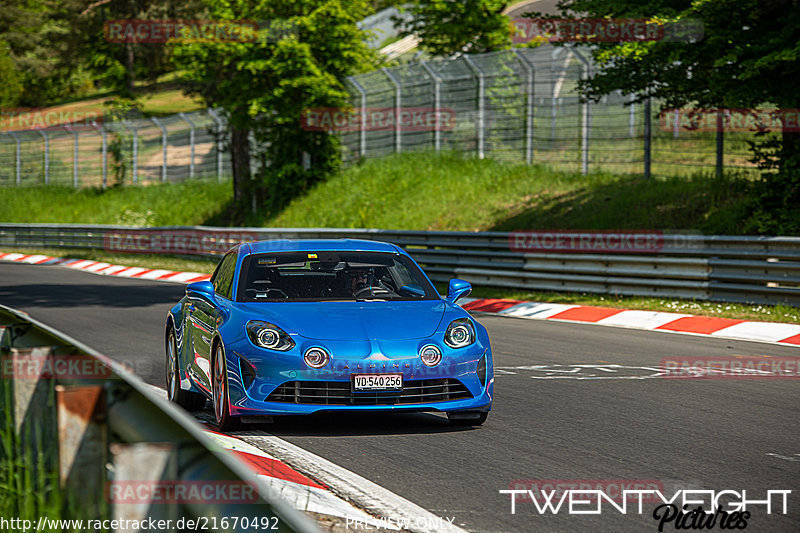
(332, 276)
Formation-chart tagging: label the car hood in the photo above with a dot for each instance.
(352, 320)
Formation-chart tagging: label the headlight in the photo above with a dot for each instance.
(316, 357)
(460, 333)
(269, 336)
(430, 355)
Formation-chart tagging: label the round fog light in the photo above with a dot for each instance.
(316, 357)
(430, 355)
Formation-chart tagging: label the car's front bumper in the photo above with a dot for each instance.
(281, 383)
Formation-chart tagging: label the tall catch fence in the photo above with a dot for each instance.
(520, 105)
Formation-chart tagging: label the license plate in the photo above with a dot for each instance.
(367, 382)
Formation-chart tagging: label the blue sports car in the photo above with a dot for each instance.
(299, 326)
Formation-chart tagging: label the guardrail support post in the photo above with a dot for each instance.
(104, 148)
(218, 122)
(529, 109)
(163, 148)
(17, 159)
(191, 143)
(46, 138)
(362, 128)
(398, 102)
(82, 446)
(74, 154)
(143, 463)
(437, 104)
(135, 162)
(481, 105)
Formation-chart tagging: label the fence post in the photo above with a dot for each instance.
(398, 100)
(529, 109)
(556, 90)
(74, 154)
(676, 123)
(362, 128)
(191, 143)
(43, 133)
(437, 104)
(647, 139)
(104, 148)
(632, 118)
(135, 163)
(720, 142)
(586, 114)
(218, 121)
(163, 148)
(17, 158)
(481, 105)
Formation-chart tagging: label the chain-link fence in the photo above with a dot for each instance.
(144, 150)
(523, 105)
(519, 105)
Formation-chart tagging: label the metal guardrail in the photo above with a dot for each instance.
(96, 424)
(723, 268)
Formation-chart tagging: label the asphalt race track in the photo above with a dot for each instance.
(547, 423)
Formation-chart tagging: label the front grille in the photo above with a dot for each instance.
(340, 393)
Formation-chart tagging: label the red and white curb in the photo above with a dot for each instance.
(107, 269)
(726, 328)
(282, 481)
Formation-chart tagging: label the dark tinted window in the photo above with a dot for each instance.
(330, 276)
(223, 276)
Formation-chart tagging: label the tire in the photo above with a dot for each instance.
(219, 392)
(458, 418)
(191, 401)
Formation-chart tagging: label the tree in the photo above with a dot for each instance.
(297, 62)
(749, 56)
(11, 88)
(446, 27)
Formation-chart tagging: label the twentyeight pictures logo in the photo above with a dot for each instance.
(681, 509)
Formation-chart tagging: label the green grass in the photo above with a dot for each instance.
(448, 192)
(187, 203)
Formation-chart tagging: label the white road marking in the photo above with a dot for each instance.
(586, 371)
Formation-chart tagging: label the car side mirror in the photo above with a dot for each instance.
(203, 289)
(457, 288)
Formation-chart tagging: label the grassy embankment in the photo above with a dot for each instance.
(435, 193)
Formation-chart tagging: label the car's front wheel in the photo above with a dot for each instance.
(467, 418)
(191, 401)
(219, 386)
